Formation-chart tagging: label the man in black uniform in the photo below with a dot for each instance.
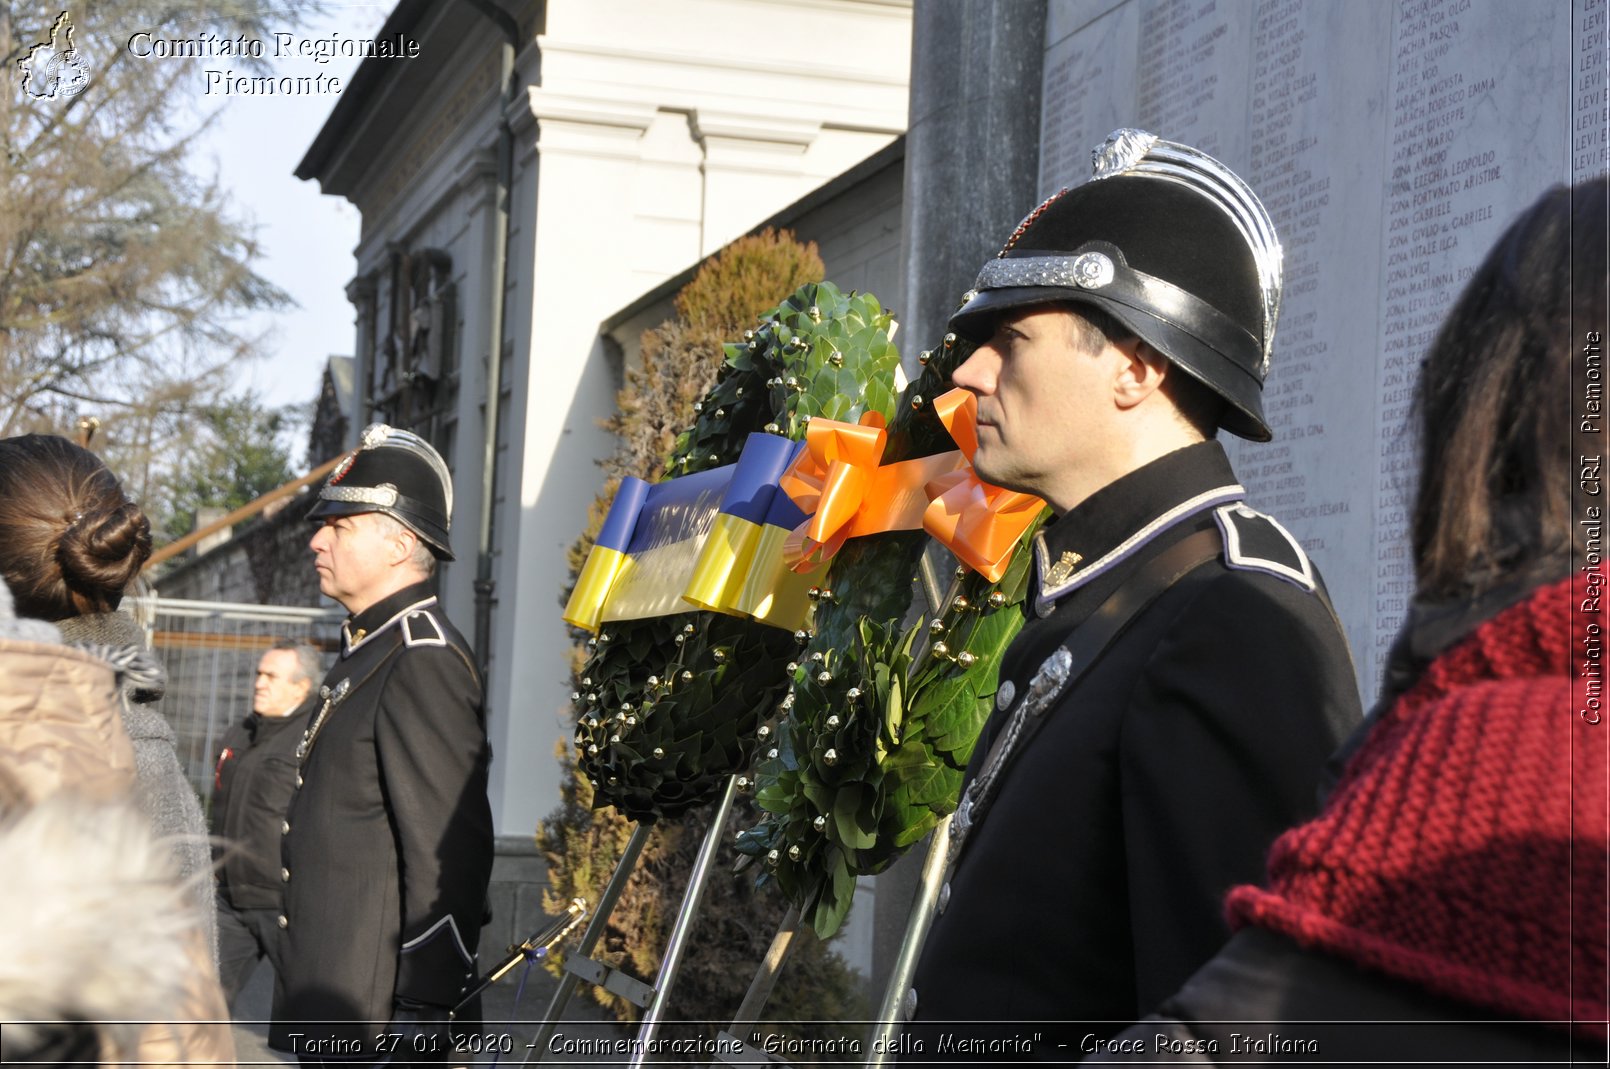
(1170, 702)
(387, 846)
(252, 785)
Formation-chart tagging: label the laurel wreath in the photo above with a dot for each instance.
(879, 719)
(669, 708)
(857, 730)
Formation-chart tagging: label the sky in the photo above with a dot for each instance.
(306, 238)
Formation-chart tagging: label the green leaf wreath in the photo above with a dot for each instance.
(879, 720)
(669, 707)
(874, 721)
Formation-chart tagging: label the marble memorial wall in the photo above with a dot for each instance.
(1392, 141)
(1590, 88)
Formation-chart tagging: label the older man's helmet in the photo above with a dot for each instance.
(1169, 242)
(398, 473)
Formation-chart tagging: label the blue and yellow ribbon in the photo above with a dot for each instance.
(711, 540)
(736, 572)
(645, 555)
(775, 593)
(751, 538)
(607, 560)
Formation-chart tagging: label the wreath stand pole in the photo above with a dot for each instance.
(933, 873)
(677, 943)
(760, 988)
(580, 964)
(890, 1018)
(771, 967)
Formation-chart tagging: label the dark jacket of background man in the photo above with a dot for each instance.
(256, 774)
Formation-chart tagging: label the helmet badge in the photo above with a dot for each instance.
(342, 468)
(1092, 270)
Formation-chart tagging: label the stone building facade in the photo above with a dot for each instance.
(621, 159)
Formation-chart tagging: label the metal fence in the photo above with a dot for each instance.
(210, 650)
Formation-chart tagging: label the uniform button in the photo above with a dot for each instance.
(1004, 696)
(285, 876)
(285, 827)
(299, 779)
(909, 1004)
(944, 898)
(284, 922)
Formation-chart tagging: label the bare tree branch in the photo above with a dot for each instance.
(123, 276)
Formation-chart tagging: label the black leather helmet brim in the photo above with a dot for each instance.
(429, 533)
(1168, 242)
(1243, 415)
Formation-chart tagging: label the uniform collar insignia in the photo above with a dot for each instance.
(1059, 579)
(1058, 573)
(352, 638)
(1117, 521)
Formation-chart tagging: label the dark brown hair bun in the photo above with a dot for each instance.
(70, 541)
(104, 551)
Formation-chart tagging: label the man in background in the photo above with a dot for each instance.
(252, 786)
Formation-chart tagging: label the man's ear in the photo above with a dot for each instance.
(1140, 375)
(402, 547)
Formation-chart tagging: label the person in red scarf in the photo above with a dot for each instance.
(1449, 902)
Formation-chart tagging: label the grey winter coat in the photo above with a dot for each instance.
(168, 798)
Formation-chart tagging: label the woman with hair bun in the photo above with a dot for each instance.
(71, 543)
(106, 959)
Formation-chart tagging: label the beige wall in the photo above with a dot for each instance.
(659, 132)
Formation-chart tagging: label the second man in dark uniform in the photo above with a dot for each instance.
(388, 841)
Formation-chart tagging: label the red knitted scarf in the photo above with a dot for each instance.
(1464, 849)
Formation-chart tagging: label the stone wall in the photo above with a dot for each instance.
(1392, 143)
(266, 562)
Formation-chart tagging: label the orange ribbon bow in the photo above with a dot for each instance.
(979, 523)
(838, 482)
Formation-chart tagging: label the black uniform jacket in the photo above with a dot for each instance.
(252, 786)
(387, 845)
(1092, 887)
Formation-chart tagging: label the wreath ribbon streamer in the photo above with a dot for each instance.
(711, 540)
(978, 522)
(750, 538)
(607, 560)
(739, 570)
